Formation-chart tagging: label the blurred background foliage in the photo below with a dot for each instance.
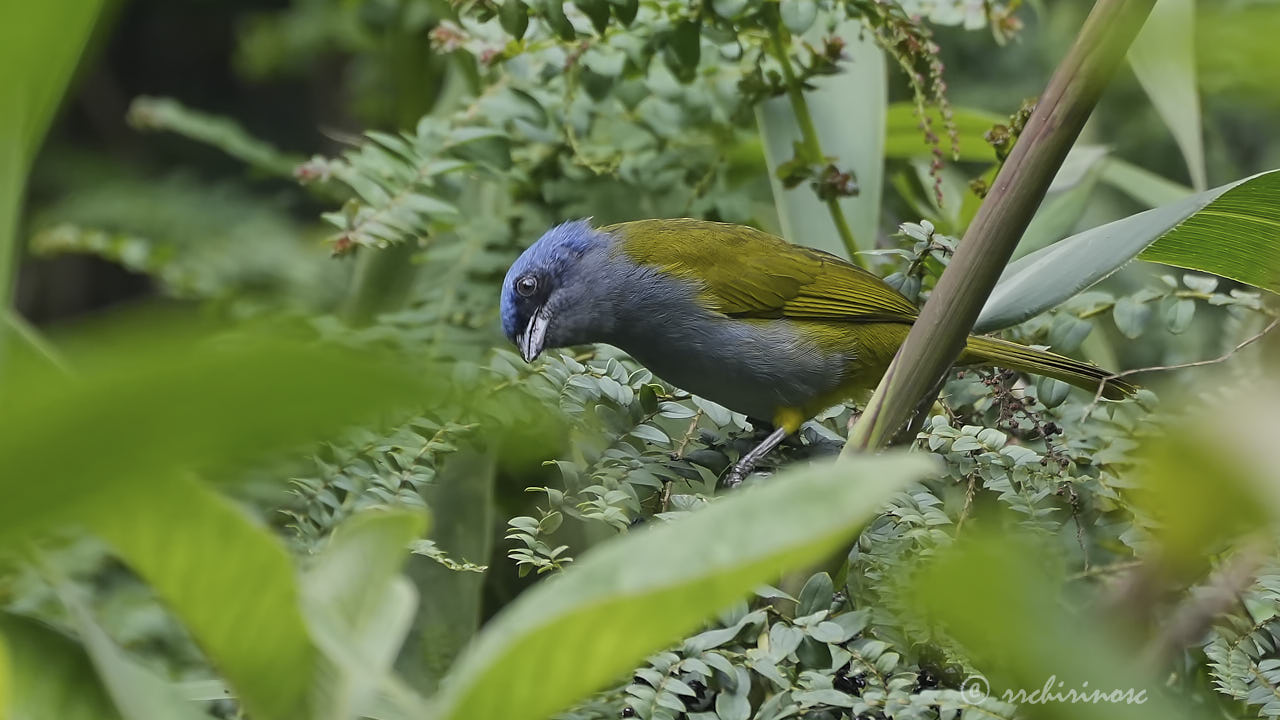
(360, 173)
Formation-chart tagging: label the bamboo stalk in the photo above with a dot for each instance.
(936, 339)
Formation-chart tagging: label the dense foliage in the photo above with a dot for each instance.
(487, 122)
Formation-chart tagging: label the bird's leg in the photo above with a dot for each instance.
(744, 466)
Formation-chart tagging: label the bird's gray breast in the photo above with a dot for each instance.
(750, 366)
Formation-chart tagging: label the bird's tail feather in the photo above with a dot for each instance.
(993, 351)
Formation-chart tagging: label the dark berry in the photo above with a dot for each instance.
(628, 712)
(1051, 429)
(926, 680)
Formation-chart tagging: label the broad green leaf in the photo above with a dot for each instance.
(40, 44)
(1237, 236)
(1163, 56)
(201, 554)
(1066, 200)
(633, 595)
(5, 693)
(849, 113)
(997, 589)
(359, 608)
(50, 675)
(1232, 231)
(138, 693)
(903, 137)
(1142, 185)
(154, 397)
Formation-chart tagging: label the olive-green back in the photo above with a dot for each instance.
(745, 272)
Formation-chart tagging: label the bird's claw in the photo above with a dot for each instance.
(737, 474)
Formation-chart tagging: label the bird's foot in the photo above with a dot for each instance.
(747, 463)
(738, 473)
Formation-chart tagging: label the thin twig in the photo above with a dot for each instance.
(1197, 612)
(1097, 396)
(1105, 570)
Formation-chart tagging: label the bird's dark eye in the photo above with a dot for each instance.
(527, 285)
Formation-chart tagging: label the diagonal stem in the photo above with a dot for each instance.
(809, 135)
(936, 339)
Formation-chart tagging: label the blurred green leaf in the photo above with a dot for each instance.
(798, 15)
(849, 114)
(1066, 201)
(40, 44)
(167, 114)
(1163, 58)
(904, 138)
(1142, 185)
(1001, 603)
(462, 500)
(1232, 231)
(360, 608)
(200, 552)
(631, 596)
(5, 694)
(138, 693)
(50, 676)
(155, 397)
(514, 16)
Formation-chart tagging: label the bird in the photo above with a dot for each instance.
(776, 331)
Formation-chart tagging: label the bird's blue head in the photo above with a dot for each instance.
(546, 294)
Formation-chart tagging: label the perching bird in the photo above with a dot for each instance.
(772, 330)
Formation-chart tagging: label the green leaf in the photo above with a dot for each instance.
(1142, 185)
(597, 11)
(485, 146)
(553, 13)
(462, 501)
(514, 17)
(1179, 315)
(997, 586)
(1237, 236)
(137, 692)
(6, 702)
(682, 50)
(728, 9)
(849, 113)
(155, 397)
(1232, 231)
(798, 15)
(625, 10)
(40, 44)
(199, 552)
(904, 139)
(1061, 209)
(815, 595)
(49, 675)
(640, 592)
(359, 609)
(1163, 56)
(1131, 316)
(167, 114)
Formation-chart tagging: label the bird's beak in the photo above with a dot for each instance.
(535, 333)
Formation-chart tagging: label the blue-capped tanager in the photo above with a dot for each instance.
(769, 329)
